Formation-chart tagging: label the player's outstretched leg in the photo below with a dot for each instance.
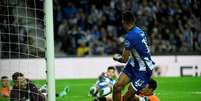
(122, 81)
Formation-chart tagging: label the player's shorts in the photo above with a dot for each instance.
(138, 78)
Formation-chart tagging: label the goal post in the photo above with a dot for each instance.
(48, 7)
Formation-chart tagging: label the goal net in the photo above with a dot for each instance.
(23, 45)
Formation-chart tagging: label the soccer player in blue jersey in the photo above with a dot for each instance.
(136, 55)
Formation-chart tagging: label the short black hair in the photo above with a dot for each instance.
(152, 84)
(4, 77)
(16, 75)
(111, 67)
(128, 17)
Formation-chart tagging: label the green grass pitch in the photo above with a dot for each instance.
(169, 89)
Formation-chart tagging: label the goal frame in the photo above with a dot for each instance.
(50, 62)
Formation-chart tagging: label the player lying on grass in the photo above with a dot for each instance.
(4, 87)
(24, 90)
(136, 55)
(146, 94)
(104, 84)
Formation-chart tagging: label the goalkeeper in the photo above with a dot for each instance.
(104, 85)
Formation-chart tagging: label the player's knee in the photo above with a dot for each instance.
(117, 87)
(109, 98)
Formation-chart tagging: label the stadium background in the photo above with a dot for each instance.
(87, 29)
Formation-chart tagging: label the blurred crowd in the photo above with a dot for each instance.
(93, 27)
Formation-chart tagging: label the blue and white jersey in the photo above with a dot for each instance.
(104, 81)
(136, 43)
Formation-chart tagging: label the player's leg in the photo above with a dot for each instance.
(109, 98)
(138, 81)
(129, 94)
(107, 95)
(122, 81)
(93, 91)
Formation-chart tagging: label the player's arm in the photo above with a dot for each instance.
(125, 55)
(13, 94)
(122, 58)
(36, 95)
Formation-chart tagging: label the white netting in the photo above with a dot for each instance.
(22, 39)
(22, 33)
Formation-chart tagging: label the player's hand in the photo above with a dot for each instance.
(118, 57)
